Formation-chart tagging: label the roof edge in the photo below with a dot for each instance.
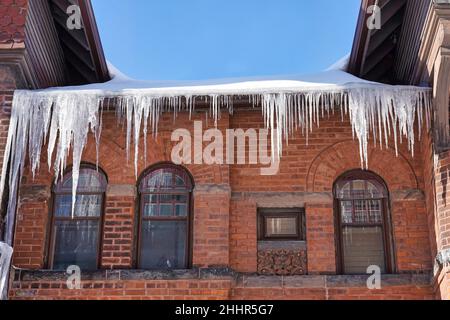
(360, 38)
(94, 40)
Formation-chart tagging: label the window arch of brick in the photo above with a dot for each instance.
(364, 236)
(165, 218)
(76, 239)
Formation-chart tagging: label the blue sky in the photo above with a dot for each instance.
(206, 39)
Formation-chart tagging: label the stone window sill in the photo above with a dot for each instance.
(332, 281)
(127, 275)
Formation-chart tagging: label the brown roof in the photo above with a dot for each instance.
(389, 54)
(82, 49)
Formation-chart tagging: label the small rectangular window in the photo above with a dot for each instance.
(281, 224)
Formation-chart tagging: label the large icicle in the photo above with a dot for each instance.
(5, 259)
(62, 119)
(65, 120)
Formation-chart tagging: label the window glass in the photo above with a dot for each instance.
(281, 227)
(165, 202)
(281, 224)
(163, 244)
(75, 239)
(361, 202)
(362, 247)
(75, 244)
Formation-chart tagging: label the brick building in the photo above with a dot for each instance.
(224, 231)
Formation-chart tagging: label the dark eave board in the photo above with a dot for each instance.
(388, 54)
(85, 62)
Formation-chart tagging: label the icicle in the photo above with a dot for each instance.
(64, 119)
(5, 259)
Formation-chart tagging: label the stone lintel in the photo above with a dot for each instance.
(121, 190)
(285, 199)
(241, 280)
(301, 199)
(212, 189)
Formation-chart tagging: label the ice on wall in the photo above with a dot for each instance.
(5, 259)
(62, 118)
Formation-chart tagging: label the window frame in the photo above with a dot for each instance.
(297, 213)
(188, 192)
(388, 243)
(53, 218)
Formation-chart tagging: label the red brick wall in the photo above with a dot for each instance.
(321, 239)
(430, 190)
(211, 205)
(243, 238)
(226, 199)
(411, 235)
(206, 290)
(443, 199)
(124, 290)
(32, 226)
(225, 204)
(441, 221)
(435, 166)
(118, 232)
(211, 227)
(118, 286)
(313, 169)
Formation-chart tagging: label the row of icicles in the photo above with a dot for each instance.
(63, 120)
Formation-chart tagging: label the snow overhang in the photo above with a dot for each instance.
(62, 118)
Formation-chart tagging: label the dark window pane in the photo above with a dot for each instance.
(347, 212)
(181, 210)
(179, 181)
(151, 198)
(85, 206)
(166, 210)
(76, 243)
(181, 198)
(169, 205)
(166, 198)
(150, 205)
(150, 210)
(163, 245)
(362, 247)
(376, 215)
(361, 212)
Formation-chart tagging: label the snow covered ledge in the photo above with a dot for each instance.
(63, 117)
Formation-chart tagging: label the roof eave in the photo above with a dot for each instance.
(93, 38)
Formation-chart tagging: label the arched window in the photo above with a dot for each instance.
(165, 202)
(363, 224)
(75, 240)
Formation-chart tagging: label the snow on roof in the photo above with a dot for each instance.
(342, 64)
(330, 80)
